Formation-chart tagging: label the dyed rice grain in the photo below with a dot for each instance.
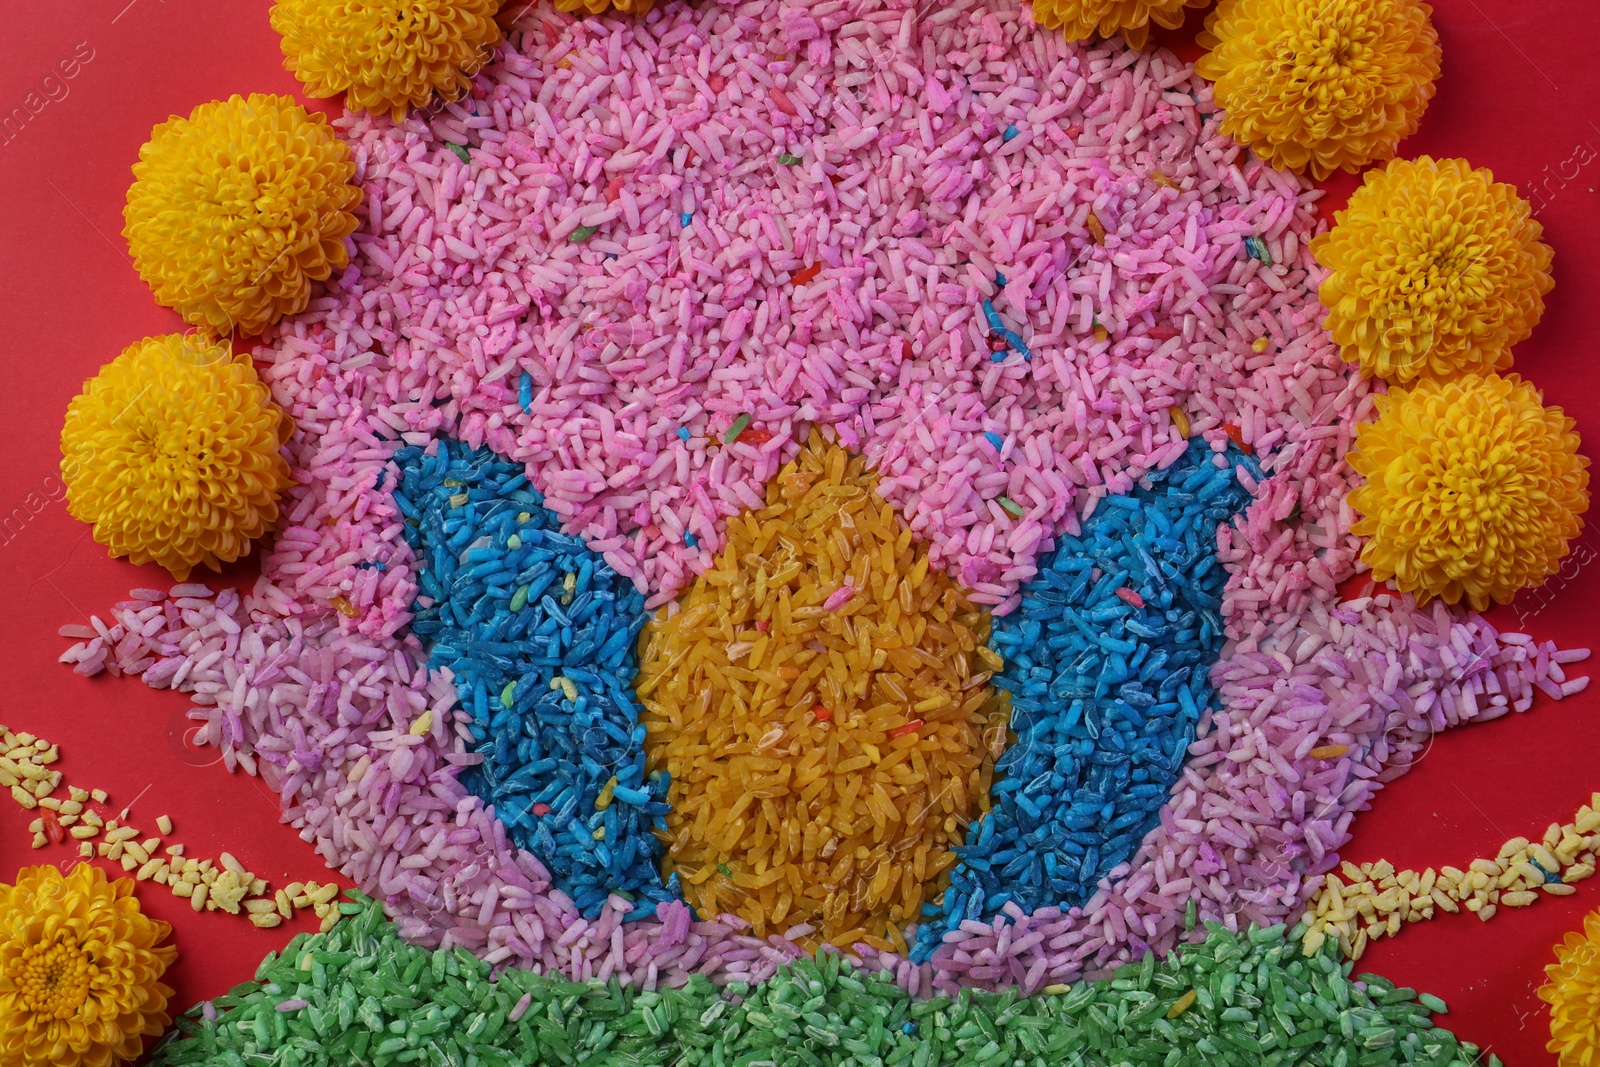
(539, 635)
(782, 816)
(361, 995)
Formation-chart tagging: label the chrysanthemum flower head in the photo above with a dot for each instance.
(1321, 84)
(387, 55)
(80, 970)
(1572, 990)
(1474, 488)
(235, 210)
(172, 452)
(1434, 269)
(1082, 19)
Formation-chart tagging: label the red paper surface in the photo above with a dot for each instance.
(1520, 94)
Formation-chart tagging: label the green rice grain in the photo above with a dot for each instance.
(1249, 998)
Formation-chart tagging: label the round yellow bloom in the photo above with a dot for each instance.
(1321, 84)
(80, 970)
(235, 210)
(386, 55)
(1573, 993)
(172, 452)
(1435, 268)
(1474, 488)
(1082, 19)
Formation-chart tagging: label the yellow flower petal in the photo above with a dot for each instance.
(1321, 84)
(1082, 19)
(1573, 993)
(1474, 489)
(172, 453)
(1434, 269)
(80, 970)
(599, 7)
(237, 209)
(386, 55)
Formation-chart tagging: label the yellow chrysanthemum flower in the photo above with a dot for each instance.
(172, 452)
(1434, 268)
(80, 970)
(235, 210)
(1082, 19)
(1474, 488)
(1573, 993)
(1321, 84)
(387, 55)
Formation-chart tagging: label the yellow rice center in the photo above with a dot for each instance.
(823, 762)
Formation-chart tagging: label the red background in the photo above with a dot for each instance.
(1520, 94)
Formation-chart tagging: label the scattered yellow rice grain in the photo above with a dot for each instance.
(843, 822)
(164, 824)
(1182, 1004)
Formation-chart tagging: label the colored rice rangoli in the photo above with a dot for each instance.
(778, 475)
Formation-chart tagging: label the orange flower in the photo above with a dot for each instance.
(172, 452)
(237, 209)
(1434, 269)
(1321, 85)
(1474, 489)
(1573, 993)
(597, 7)
(1082, 19)
(386, 55)
(80, 970)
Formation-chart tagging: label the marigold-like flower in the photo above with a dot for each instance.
(1321, 84)
(597, 7)
(235, 210)
(1474, 488)
(1435, 268)
(386, 55)
(172, 453)
(80, 970)
(1082, 19)
(1573, 993)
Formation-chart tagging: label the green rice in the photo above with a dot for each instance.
(371, 999)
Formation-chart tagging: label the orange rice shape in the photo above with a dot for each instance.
(777, 817)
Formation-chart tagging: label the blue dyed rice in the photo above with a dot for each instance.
(498, 615)
(1105, 696)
